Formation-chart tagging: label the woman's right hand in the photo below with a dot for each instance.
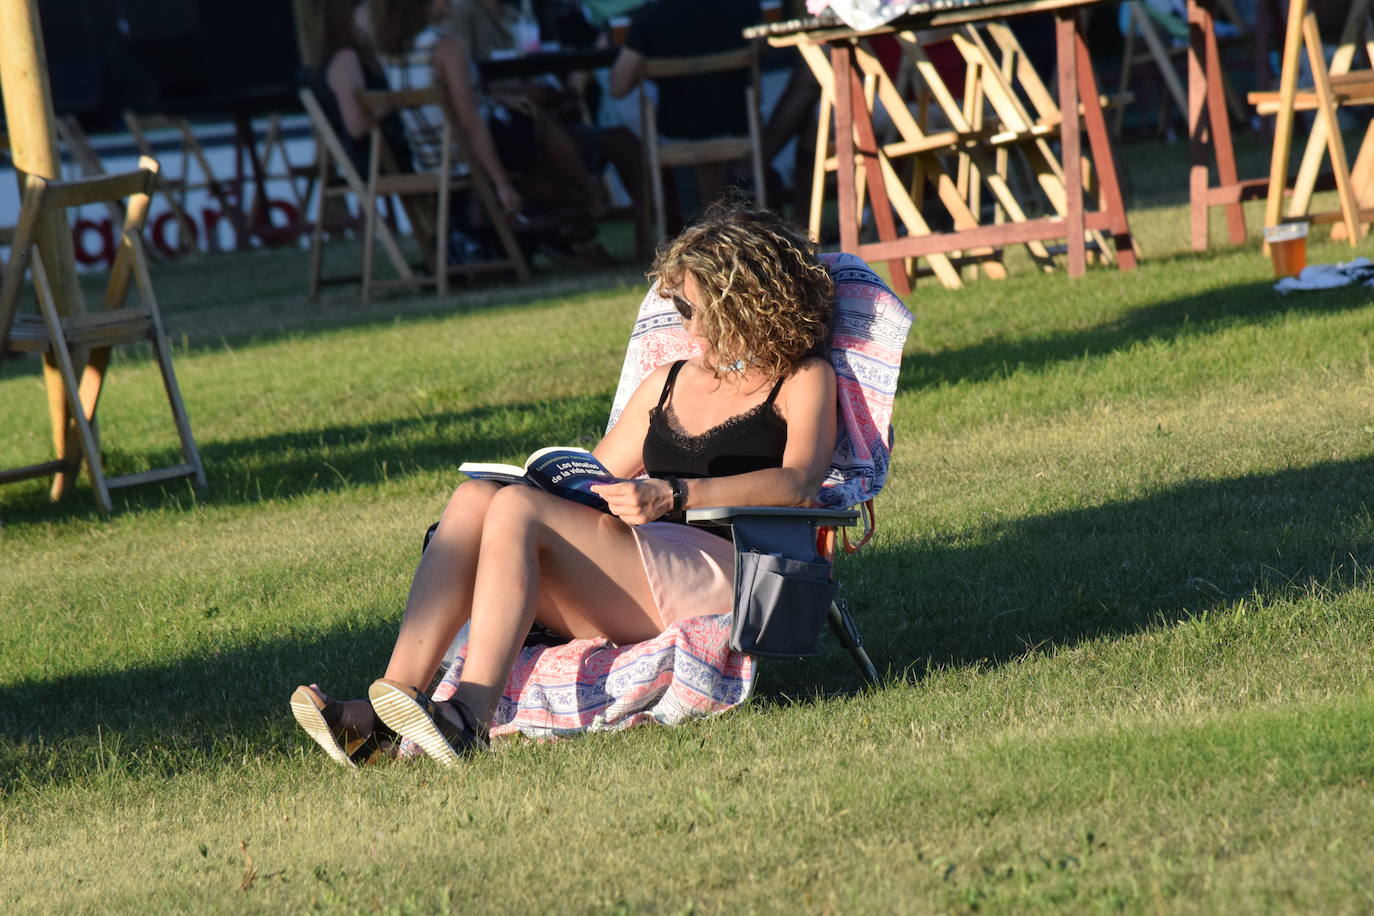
(636, 502)
(509, 197)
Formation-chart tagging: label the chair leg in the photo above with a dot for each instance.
(317, 230)
(369, 229)
(842, 625)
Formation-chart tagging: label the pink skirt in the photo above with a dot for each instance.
(691, 571)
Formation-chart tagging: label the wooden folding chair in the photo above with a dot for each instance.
(82, 342)
(70, 134)
(337, 179)
(661, 154)
(177, 190)
(912, 141)
(431, 226)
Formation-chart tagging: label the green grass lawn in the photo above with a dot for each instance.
(1120, 592)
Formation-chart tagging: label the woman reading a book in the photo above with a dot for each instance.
(751, 421)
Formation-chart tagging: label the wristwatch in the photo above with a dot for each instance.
(679, 494)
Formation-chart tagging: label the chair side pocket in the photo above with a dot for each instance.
(780, 604)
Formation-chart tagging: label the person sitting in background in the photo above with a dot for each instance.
(690, 107)
(488, 26)
(491, 29)
(506, 134)
(348, 63)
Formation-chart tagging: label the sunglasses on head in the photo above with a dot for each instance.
(684, 308)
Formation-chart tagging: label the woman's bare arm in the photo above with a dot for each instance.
(451, 71)
(344, 77)
(626, 72)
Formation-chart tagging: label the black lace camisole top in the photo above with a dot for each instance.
(750, 441)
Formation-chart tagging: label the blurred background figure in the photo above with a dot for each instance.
(492, 29)
(348, 63)
(532, 160)
(690, 108)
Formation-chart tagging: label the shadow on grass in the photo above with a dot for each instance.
(1178, 319)
(994, 594)
(984, 597)
(285, 465)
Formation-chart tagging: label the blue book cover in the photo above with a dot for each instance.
(561, 470)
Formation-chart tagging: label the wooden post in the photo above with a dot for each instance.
(1066, 28)
(1283, 126)
(307, 16)
(33, 146)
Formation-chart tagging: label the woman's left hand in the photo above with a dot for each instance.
(636, 502)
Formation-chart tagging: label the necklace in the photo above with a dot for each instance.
(738, 365)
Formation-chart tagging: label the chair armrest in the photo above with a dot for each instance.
(726, 515)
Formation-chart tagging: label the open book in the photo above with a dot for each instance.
(563, 471)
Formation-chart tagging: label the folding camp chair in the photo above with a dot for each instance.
(81, 343)
(705, 665)
(784, 555)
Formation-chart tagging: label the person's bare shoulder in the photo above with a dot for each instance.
(812, 381)
(814, 367)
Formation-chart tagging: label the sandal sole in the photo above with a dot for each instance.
(306, 710)
(404, 715)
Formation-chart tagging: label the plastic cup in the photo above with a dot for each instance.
(772, 10)
(527, 36)
(620, 30)
(1287, 248)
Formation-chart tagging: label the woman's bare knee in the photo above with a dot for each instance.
(468, 505)
(513, 507)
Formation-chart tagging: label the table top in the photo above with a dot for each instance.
(567, 60)
(916, 14)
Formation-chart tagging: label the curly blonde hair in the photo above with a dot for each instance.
(765, 297)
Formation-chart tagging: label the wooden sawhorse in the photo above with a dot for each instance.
(854, 84)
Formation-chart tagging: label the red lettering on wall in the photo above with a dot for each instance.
(104, 234)
(160, 234)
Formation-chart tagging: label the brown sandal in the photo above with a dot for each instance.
(445, 730)
(323, 720)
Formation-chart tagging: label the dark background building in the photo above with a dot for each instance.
(183, 56)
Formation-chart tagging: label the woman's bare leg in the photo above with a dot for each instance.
(574, 569)
(440, 600)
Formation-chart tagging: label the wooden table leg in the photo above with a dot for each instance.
(1197, 137)
(848, 86)
(877, 186)
(1329, 110)
(1066, 28)
(1283, 124)
(841, 65)
(1222, 149)
(1104, 159)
